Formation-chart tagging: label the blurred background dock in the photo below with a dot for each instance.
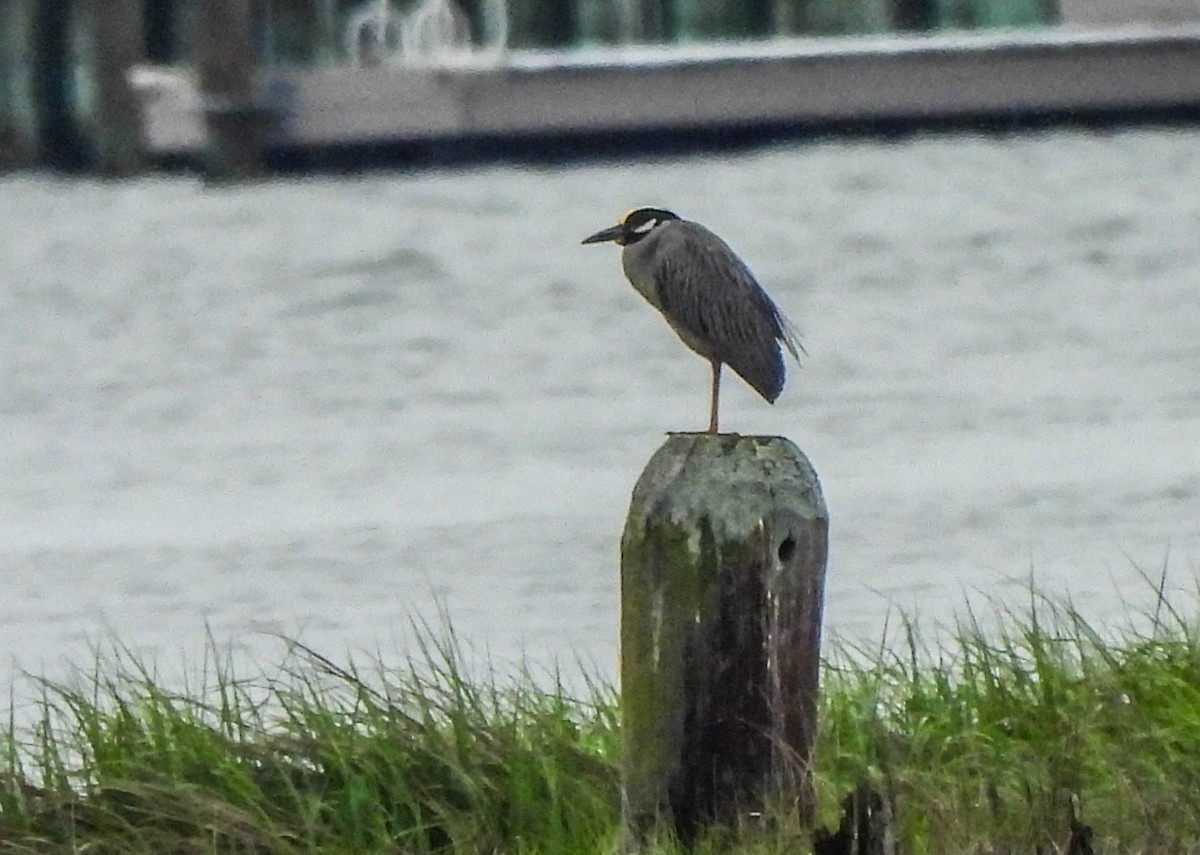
(113, 85)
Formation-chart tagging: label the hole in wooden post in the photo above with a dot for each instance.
(787, 548)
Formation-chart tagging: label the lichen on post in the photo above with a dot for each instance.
(722, 579)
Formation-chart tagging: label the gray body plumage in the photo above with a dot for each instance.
(708, 296)
(712, 301)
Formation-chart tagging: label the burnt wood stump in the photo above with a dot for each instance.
(722, 580)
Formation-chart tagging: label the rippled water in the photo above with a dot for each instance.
(319, 407)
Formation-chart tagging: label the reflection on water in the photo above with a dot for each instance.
(318, 406)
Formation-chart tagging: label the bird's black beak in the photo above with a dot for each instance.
(613, 233)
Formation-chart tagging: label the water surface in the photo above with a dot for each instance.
(319, 407)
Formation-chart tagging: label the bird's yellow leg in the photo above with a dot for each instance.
(716, 395)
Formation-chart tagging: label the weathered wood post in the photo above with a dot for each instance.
(51, 69)
(235, 121)
(18, 115)
(914, 15)
(722, 581)
(787, 17)
(118, 43)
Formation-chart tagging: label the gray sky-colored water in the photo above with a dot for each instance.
(321, 406)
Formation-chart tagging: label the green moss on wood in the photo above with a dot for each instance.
(699, 581)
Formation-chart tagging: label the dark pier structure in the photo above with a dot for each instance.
(66, 101)
(112, 85)
(65, 96)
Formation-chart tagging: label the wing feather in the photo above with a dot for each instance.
(718, 308)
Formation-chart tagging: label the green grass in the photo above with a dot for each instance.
(981, 741)
(319, 757)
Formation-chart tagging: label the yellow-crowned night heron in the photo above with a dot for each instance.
(708, 296)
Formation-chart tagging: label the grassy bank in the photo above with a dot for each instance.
(980, 741)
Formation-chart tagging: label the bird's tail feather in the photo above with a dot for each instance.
(790, 336)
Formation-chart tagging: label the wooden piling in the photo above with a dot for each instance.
(914, 15)
(722, 581)
(786, 17)
(51, 66)
(118, 41)
(18, 123)
(865, 828)
(235, 121)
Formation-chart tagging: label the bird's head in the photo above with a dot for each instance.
(634, 226)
